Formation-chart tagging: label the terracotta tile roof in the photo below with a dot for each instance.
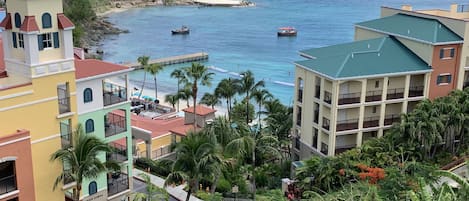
(29, 24)
(183, 130)
(92, 67)
(6, 23)
(64, 22)
(200, 110)
(158, 127)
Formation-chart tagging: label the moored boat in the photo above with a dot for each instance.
(286, 31)
(182, 30)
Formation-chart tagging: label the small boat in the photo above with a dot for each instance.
(182, 30)
(286, 31)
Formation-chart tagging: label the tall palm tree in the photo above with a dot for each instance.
(261, 96)
(154, 69)
(82, 160)
(227, 89)
(210, 100)
(196, 158)
(143, 61)
(178, 74)
(247, 85)
(171, 99)
(185, 94)
(194, 75)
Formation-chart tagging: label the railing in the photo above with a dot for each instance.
(395, 93)
(327, 97)
(415, 91)
(119, 152)
(161, 151)
(297, 143)
(113, 94)
(64, 100)
(326, 123)
(316, 116)
(349, 98)
(369, 122)
(115, 124)
(317, 93)
(344, 149)
(390, 119)
(373, 95)
(116, 183)
(348, 124)
(7, 184)
(300, 95)
(65, 135)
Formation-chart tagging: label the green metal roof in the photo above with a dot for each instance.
(413, 27)
(384, 55)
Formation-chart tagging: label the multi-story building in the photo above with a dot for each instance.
(348, 93)
(37, 98)
(103, 108)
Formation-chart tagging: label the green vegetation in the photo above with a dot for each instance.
(80, 12)
(154, 193)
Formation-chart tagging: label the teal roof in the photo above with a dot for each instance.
(419, 28)
(384, 55)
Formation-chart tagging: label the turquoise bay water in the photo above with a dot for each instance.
(238, 39)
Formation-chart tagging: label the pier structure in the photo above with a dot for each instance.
(199, 56)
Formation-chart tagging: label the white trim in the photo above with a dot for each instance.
(64, 115)
(69, 28)
(8, 158)
(116, 105)
(14, 141)
(141, 129)
(104, 75)
(410, 38)
(54, 73)
(90, 111)
(15, 192)
(45, 139)
(28, 103)
(16, 95)
(164, 135)
(70, 185)
(39, 64)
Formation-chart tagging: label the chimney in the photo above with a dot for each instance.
(406, 7)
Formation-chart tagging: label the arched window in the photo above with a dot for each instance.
(87, 95)
(17, 20)
(89, 126)
(46, 21)
(92, 188)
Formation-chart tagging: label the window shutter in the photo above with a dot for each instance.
(442, 53)
(449, 78)
(15, 45)
(452, 53)
(56, 40)
(39, 42)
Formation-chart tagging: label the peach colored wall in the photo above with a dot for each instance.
(23, 163)
(441, 66)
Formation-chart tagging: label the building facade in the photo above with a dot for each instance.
(349, 93)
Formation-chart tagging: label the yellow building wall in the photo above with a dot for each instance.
(369, 111)
(158, 143)
(393, 108)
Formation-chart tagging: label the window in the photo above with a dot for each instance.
(324, 148)
(46, 21)
(89, 126)
(87, 95)
(446, 53)
(374, 109)
(15, 45)
(46, 40)
(92, 188)
(377, 84)
(7, 177)
(443, 79)
(21, 40)
(298, 116)
(17, 20)
(300, 90)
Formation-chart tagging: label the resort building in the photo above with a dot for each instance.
(103, 107)
(37, 98)
(349, 93)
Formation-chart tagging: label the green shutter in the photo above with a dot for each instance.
(14, 39)
(39, 42)
(56, 40)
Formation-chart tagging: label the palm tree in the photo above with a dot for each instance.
(210, 100)
(143, 61)
(195, 74)
(227, 89)
(154, 69)
(171, 99)
(247, 85)
(261, 96)
(82, 160)
(185, 94)
(178, 74)
(196, 158)
(153, 192)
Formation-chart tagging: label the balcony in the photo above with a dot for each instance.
(114, 124)
(415, 91)
(340, 150)
(327, 97)
(118, 154)
(349, 98)
(164, 150)
(7, 184)
(395, 93)
(373, 96)
(116, 183)
(113, 94)
(349, 124)
(326, 123)
(369, 122)
(65, 135)
(317, 93)
(316, 116)
(392, 118)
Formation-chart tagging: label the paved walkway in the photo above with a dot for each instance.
(176, 192)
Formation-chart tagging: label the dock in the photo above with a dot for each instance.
(199, 56)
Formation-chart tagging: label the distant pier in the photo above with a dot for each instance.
(200, 56)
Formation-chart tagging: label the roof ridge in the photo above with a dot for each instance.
(343, 65)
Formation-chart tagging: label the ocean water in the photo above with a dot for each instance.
(239, 39)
